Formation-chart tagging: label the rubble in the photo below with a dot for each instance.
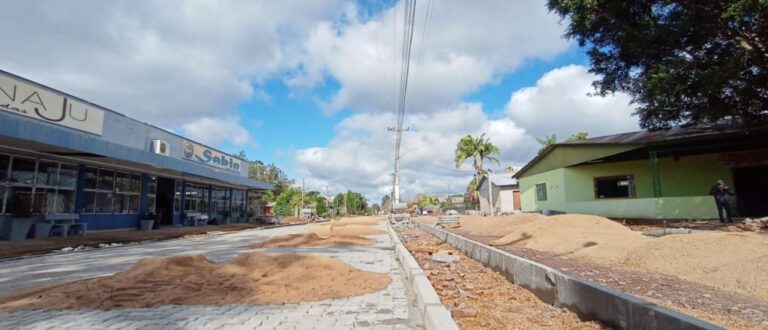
(756, 225)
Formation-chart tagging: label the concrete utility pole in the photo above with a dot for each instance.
(396, 178)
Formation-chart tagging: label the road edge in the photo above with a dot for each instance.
(435, 315)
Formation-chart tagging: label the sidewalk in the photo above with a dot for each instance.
(386, 309)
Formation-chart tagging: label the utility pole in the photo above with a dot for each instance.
(302, 195)
(396, 178)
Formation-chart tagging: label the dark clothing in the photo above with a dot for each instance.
(722, 201)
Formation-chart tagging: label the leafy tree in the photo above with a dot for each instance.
(427, 200)
(577, 137)
(270, 173)
(683, 62)
(479, 149)
(546, 141)
(386, 202)
(285, 204)
(374, 209)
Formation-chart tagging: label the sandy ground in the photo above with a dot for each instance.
(734, 262)
(251, 278)
(312, 240)
(480, 298)
(292, 220)
(344, 228)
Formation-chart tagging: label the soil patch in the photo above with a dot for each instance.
(574, 235)
(489, 226)
(312, 240)
(251, 278)
(726, 309)
(330, 229)
(292, 220)
(735, 262)
(480, 298)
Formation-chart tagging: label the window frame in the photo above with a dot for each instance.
(36, 187)
(632, 185)
(544, 189)
(116, 193)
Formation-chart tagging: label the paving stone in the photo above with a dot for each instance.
(327, 314)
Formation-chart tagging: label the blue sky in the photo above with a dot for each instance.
(310, 85)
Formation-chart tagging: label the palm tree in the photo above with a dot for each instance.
(479, 149)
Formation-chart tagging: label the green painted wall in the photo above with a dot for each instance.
(567, 155)
(685, 186)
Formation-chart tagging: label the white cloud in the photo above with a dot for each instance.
(360, 156)
(470, 45)
(361, 153)
(215, 131)
(560, 104)
(162, 61)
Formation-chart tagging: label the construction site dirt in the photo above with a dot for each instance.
(727, 309)
(480, 298)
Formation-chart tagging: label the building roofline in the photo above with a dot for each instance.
(114, 112)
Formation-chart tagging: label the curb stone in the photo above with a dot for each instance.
(436, 316)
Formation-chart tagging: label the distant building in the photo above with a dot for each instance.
(505, 191)
(650, 175)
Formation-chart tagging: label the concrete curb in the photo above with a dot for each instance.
(590, 301)
(436, 316)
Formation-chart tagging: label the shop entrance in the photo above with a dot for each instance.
(165, 194)
(751, 184)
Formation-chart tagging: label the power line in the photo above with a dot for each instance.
(408, 22)
(425, 31)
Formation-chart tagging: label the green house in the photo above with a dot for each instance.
(650, 174)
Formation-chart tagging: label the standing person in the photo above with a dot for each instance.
(722, 194)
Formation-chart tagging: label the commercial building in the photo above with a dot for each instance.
(651, 175)
(62, 154)
(505, 192)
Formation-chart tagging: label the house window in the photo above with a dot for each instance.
(622, 186)
(541, 192)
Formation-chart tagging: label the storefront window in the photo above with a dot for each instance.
(115, 192)
(196, 198)
(47, 173)
(37, 186)
(23, 171)
(5, 163)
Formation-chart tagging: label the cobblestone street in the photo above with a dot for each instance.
(387, 309)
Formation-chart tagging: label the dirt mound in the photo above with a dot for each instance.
(736, 262)
(357, 221)
(292, 220)
(331, 229)
(312, 240)
(495, 226)
(587, 237)
(251, 278)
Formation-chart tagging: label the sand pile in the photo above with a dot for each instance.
(292, 220)
(495, 226)
(356, 221)
(736, 262)
(586, 237)
(331, 229)
(251, 278)
(312, 240)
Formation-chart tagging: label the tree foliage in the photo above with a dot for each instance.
(270, 173)
(546, 141)
(577, 137)
(479, 149)
(683, 62)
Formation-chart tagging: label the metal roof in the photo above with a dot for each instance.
(502, 179)
(661, 137)
(672, 135)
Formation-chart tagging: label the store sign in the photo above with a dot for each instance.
(201, 154)
(35, 102)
